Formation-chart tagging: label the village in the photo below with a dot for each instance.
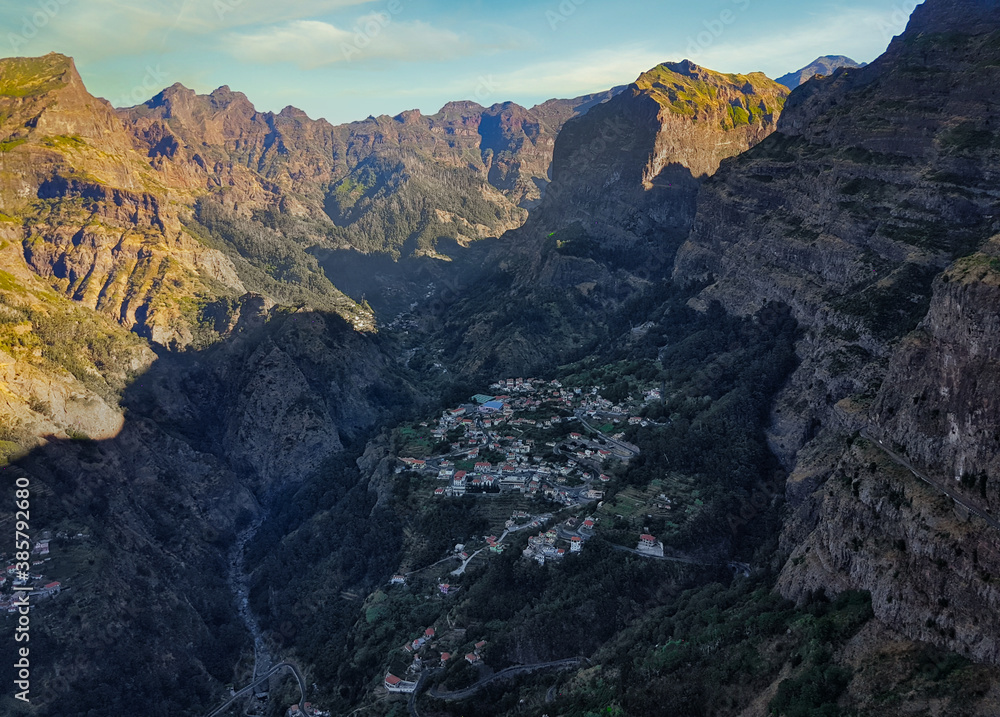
(535, 438)
(35, 579)
(537, 443)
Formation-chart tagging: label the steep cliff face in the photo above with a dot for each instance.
(939, 398)
(389, 184)
(871, 525)
(94, 219)
(62, 367)
(625, 178)
(875, 180)
(642, 153)
(853, 214)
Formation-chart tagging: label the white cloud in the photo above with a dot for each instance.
(99, 29)
(313, 43)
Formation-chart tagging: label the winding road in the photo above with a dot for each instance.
(955, 496)
(626, 447)
(734, 565)
(257, 680)
(503, 675)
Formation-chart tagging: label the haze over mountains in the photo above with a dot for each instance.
(792, 292)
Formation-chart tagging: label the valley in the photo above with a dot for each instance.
(674, 398)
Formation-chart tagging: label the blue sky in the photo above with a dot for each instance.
(346, 59)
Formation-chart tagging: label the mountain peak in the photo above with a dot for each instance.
(824, 65)
(408, 116)
(687, 68)
(688, 89)
(972, 17)
(33, 76)
(291, 112)
(223, 98)
(461, 107)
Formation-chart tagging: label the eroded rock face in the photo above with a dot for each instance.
(875, 179)
(852, 214)
(473, 156)
(625, 180)
(941, 396)
(872, 526)
(633, 163)
(95, 218)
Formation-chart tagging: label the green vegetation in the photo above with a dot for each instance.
(99, 354)
(969, 138)
(64, 142)
(737, 117)
(893, 306)
(269, 260)
(394, 203)
(32, 76)
(9, 144)
(700, 99)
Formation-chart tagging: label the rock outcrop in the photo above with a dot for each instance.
(853, 214)
(625, 180)
(874, 181)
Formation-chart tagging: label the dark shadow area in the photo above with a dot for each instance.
(392, 287)
(144, 526)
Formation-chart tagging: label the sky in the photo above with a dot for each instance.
(346, 59)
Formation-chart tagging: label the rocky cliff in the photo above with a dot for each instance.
(875, 180)
(93, 218)
(389, 184)
(626, 176)
(854, 213)
(632, 163)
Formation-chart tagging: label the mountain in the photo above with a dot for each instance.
(466, 173)
(361, 196)
(103, 226)
(625, 181)
(869, 213)
(764, 326)
(174, 175)
(824, 65)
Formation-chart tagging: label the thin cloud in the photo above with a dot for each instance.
(99, 29)
(201, 16)
(577, 75)
(313, 43)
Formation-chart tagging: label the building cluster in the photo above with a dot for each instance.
(555, 543)
(569, 471)
(41, 586)
(427, 653)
